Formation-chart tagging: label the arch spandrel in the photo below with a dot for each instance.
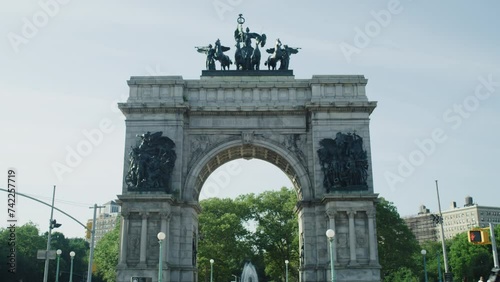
(265, 150)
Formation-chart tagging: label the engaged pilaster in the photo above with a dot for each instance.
(331, 216)
(124, 240)
(371, 234)
(144, 234)
(352, 237)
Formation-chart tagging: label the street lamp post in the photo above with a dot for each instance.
(286, 270)
(331, 234)
(58, 252)
(72, 255)
(161, 236)
(424, 252)
(211, 270)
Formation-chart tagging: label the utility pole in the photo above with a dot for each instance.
(493, 246)
(91, 255)
(445, 255)
(46, 269)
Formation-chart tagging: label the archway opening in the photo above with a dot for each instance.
(285, 161)
(240, 176)
(266, 236)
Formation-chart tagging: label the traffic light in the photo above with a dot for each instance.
(88, 232)
(54, 224)
(475, 236)
(479, 236)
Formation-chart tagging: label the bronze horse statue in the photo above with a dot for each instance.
(221, 57)
(255, 62)
(276, 55)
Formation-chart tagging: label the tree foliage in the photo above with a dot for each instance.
(277, 231)
(106, 254)
(262, 229)
(396, 243)
(468, 260)
(28, 241)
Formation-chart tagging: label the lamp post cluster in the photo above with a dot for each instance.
(72, 255)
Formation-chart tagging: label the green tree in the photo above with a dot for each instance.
(468, 260)
(106, 254)
(225, 238)
(26, 241)
(396, 243)
(276, 233)
(403, 274)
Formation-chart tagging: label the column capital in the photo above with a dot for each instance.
(165, 215)
(351, 212)
(370, 212)
(331, 213)
(144, 215)
(125, 215)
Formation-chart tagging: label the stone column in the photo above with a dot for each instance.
(371, 234)
(144, 237)
(165, 220)
(352, 237)
(331, 215)
(124, 240)
(165, 228)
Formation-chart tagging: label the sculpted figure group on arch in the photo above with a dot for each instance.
(246, 56)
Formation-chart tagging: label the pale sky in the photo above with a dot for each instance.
(433, 67)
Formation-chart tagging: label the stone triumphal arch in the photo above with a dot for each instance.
(315, 130)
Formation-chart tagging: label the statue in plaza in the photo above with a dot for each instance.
(151, 163)
(344, 162)
(210, 52)
(246, 56)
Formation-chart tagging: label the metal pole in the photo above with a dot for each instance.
(286, 271)
(160, 266)
(57, 268)
(493, 245)
(211, 270)
(445, 256)
(439, 268)
(92, 241)
(46, 269)
(425, 270)
(71, 270)
(332, 268)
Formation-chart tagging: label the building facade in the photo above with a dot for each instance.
(456, 220)
(106, 220)
(422, 225)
